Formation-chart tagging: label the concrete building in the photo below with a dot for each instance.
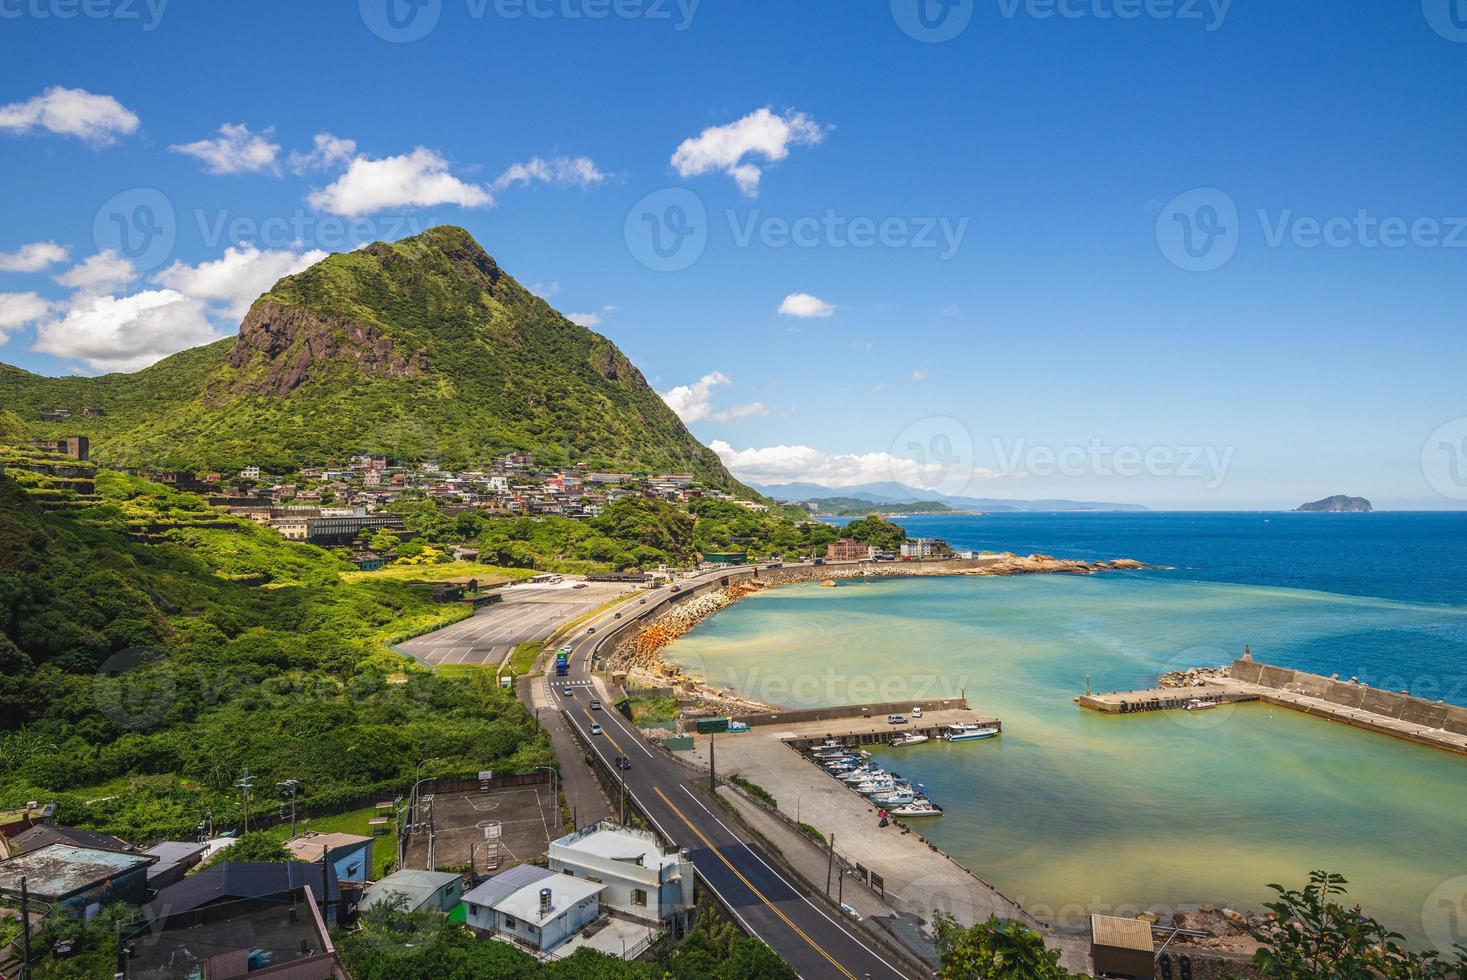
(533, 906)
(349, 854)
(79, 879)
(641, 879)
(417, 891)
(925, 548)
(175, 858)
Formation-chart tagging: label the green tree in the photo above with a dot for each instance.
(257, 845)
(1312, 936)
(994, 950)
(876, 530)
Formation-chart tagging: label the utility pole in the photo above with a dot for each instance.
(829, 861)
(712, 775)
(25, 930)
(290, 788)
(244, 783)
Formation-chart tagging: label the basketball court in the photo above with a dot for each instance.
(500, 828)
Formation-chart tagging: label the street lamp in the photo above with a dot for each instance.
(413, 796)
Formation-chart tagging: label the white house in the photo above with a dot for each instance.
(533, 906)
(641, 879)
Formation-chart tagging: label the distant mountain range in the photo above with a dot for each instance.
(897, 493)
(421, 349)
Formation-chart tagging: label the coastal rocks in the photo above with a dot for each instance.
(1008, 563)
(1225, 930)
(1194, 676)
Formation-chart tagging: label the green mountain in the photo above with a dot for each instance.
(419, 349)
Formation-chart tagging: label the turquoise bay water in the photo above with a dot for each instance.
(1071, 811)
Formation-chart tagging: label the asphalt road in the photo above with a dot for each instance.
(527, 613)
(769, 906)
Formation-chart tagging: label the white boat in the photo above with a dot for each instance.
(863, 774)
(920, 807)
(910, 738)
(1201, 704)
(900, 796)
(967, 732)
(871, 786)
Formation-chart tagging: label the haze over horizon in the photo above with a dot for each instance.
(1195, 295)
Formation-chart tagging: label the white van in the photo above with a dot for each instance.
(916, 711)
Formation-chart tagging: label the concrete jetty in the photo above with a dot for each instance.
(1400, 715)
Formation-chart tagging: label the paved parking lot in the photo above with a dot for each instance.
(526, 816)
(528, 612)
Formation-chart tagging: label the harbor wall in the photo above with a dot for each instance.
(866, 711)
(1388, 704)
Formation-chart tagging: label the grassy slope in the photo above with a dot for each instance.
(232, 647)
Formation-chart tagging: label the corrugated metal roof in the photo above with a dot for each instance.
(37, 837)
(241, 879)
(504, 885)
(416, 886)
(1117, 933)
(59, 870)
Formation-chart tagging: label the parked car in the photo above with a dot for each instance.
(595, 705)
(895, 720)
(595, 728)
(916, 711)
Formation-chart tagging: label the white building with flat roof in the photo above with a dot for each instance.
(642, 879)
(533, 906)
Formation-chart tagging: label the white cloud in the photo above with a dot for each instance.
(329, 152)
(18, 309)
(98, 119)
(761, 134)
(101, 273)
(237, 279)
(545, 290)
(803, 464)
(919, 374)
(109, 333)
(417, 179)
(33, 257)
(805, 306)
(235, 151)
(562, 171)
(584, 319)
(694, 402)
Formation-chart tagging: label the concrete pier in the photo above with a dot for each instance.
(1160, 699)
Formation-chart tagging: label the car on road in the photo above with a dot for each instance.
(580, 585)
(595, 705)
(568, 692)
(622, 762)
(895, 720)
(591, 630)
(677, 588)
(595, 728)
(616, 616)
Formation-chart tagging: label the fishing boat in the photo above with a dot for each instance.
(900, 796)
(919, 807)
(967, 732)
(1201, 704)
(862, 774)
(909, 738)
(869, 787)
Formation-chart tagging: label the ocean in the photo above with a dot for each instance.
(1072, 812)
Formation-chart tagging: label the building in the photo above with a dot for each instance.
(250, 473)
(726, 557)
(329, 531)
(642, 880)
(1121, 947)
(175, 858)
(847, 549)
(417, 891)
(233, 882)
(56, 415)
(44, 835)
(535, 907)
(78, 879)
(77, 447)
(925, 548)
(279, 935)
(349, 854)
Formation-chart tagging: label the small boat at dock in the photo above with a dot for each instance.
(968, 731)
(1201, 704)
(909, 738)
(919, 807)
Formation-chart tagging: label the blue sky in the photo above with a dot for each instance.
(1202, 255)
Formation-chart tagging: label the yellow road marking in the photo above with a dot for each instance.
(750, 885)
(604, 733)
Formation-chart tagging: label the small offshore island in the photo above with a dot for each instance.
(1337, 504)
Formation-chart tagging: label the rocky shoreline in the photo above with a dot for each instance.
(640, 654)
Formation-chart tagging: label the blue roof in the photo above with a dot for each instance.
(504, 885)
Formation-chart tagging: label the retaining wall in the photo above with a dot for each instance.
(1388, 704)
